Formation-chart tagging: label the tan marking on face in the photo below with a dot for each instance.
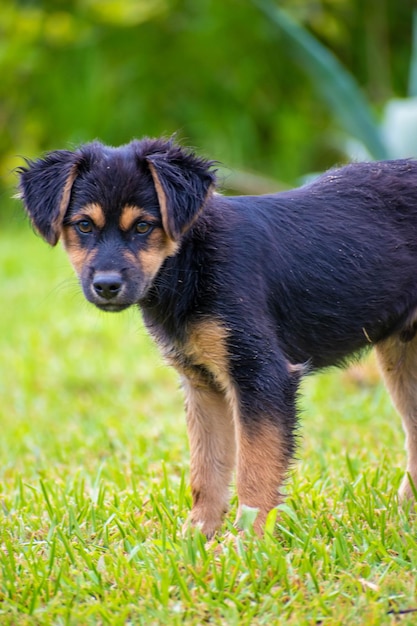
(77, 255)
(92, 211)
(131, 214)
(262, 462)
(158, 248)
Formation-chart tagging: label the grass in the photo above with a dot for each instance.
(94, 482)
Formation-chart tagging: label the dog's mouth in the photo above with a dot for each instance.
(111, 307)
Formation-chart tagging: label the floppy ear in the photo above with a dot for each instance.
(45, 188)
(182, 182)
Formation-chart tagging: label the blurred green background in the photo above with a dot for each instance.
(276, 89)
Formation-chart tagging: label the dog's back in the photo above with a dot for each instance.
(333, 262)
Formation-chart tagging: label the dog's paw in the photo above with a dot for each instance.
(206, 524)
(408, 489)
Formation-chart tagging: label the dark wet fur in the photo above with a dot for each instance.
(308, 277)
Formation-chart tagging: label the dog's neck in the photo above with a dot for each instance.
(173, 298)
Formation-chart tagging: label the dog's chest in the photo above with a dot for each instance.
(202, 356)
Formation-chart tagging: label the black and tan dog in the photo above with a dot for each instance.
(242, 294)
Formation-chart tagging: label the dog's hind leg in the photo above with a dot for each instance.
(398, 363)
(265, 417)
(212, 445)
(263, 461)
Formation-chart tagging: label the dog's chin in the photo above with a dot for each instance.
(111, 307)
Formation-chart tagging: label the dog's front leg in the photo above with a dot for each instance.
(212, 444)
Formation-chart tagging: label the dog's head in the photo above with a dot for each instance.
(120, 211)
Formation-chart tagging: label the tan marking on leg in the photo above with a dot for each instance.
(262, 462)
(211, 424)
(207, 347)
(211, 434)
(398, 364)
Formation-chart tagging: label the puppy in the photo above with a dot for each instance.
(242, 294)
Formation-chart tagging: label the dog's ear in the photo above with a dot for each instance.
(182, 182)
(45, 188)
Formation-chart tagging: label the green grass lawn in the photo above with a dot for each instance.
(94, 482)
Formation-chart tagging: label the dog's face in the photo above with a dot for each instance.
(113, 231)
(120, 211)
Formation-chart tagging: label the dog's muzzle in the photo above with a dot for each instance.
(107, 291)
(107, 285)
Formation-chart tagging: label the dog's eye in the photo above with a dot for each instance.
(143, 227)
(84, 226)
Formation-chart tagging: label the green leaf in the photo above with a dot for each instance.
(412, 78)
(336, 85)
(247, 518)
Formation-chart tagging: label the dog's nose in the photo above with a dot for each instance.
(107, 285)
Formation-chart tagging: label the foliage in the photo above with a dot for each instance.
(214, 71)
(94, 456)
(396, 137)
(337, 85)
(94, 473)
